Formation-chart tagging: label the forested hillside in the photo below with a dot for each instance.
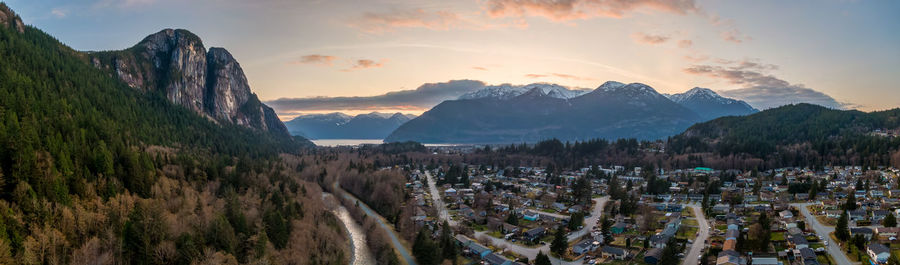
(94, 172)
(800, 134)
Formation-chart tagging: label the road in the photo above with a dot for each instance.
(703, 228)
(531, 253)
(443, 214)
(384, 224)
(591, 221)
(833, 249)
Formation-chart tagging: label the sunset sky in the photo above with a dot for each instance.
(323, 56)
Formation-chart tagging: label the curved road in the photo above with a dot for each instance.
(384, 224)
(703, 228)
(833, 249)
(531, 253)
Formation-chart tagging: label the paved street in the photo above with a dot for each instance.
(698, 246)
(443, 213)
(591, 221)
(531, 253)
(833, 249)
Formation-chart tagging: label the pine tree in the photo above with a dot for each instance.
(889, 221)
(448, 243)
(542, 259)
(670, 253)
(559, 244)
(842, 231)
(425, 250)
(850, 205)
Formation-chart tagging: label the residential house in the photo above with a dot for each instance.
(535, 233)
(614, 253)
(531, 216)
(494, 259)
(864, 231)
(585, 246)
(857, 215)
(887, 233)
(799, 242)
(730, 257)
(652, 256)
(878, 252)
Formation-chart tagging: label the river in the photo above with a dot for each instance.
(361, 255)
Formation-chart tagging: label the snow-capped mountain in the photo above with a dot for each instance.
(710, 105)
(508, 91)
(612, 111)
(336, 125)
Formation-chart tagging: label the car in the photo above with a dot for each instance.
(690, 241)
(825, 242)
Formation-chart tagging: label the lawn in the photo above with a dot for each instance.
(777, 237)
(690, 222)
(825, 259)
(687, 212)
(686, 232)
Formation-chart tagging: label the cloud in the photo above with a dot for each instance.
(315, 59)
(440, 20)
(422, 98)
(731, 32)
(59, 12)
(564, 76)
(762, 90)
(685, 43)
(734, 35)
(771, 97)
(566, 10)
(365, 64)
(648, 38)
(122, 3)
(479, 68)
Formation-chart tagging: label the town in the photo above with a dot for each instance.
(618, 215)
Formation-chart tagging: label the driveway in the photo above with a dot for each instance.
(833, 249)
(699, 245)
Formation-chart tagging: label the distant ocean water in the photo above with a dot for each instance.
(346, 142)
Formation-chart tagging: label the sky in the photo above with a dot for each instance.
(321, 56)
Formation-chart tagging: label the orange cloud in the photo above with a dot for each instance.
(565, 10)
(315, 59)
(685, 43)
(440, 20)
(479, 68)
(365, 64)
(649, 39)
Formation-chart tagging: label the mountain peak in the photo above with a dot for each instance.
(610, 85)
(709, 104)
(508, 91)
(8, 18)
(631, 90)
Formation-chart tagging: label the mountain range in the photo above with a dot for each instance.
(341, 126)
(508, 114)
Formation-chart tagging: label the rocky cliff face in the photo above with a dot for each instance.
(210, 83)
(9, 19)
